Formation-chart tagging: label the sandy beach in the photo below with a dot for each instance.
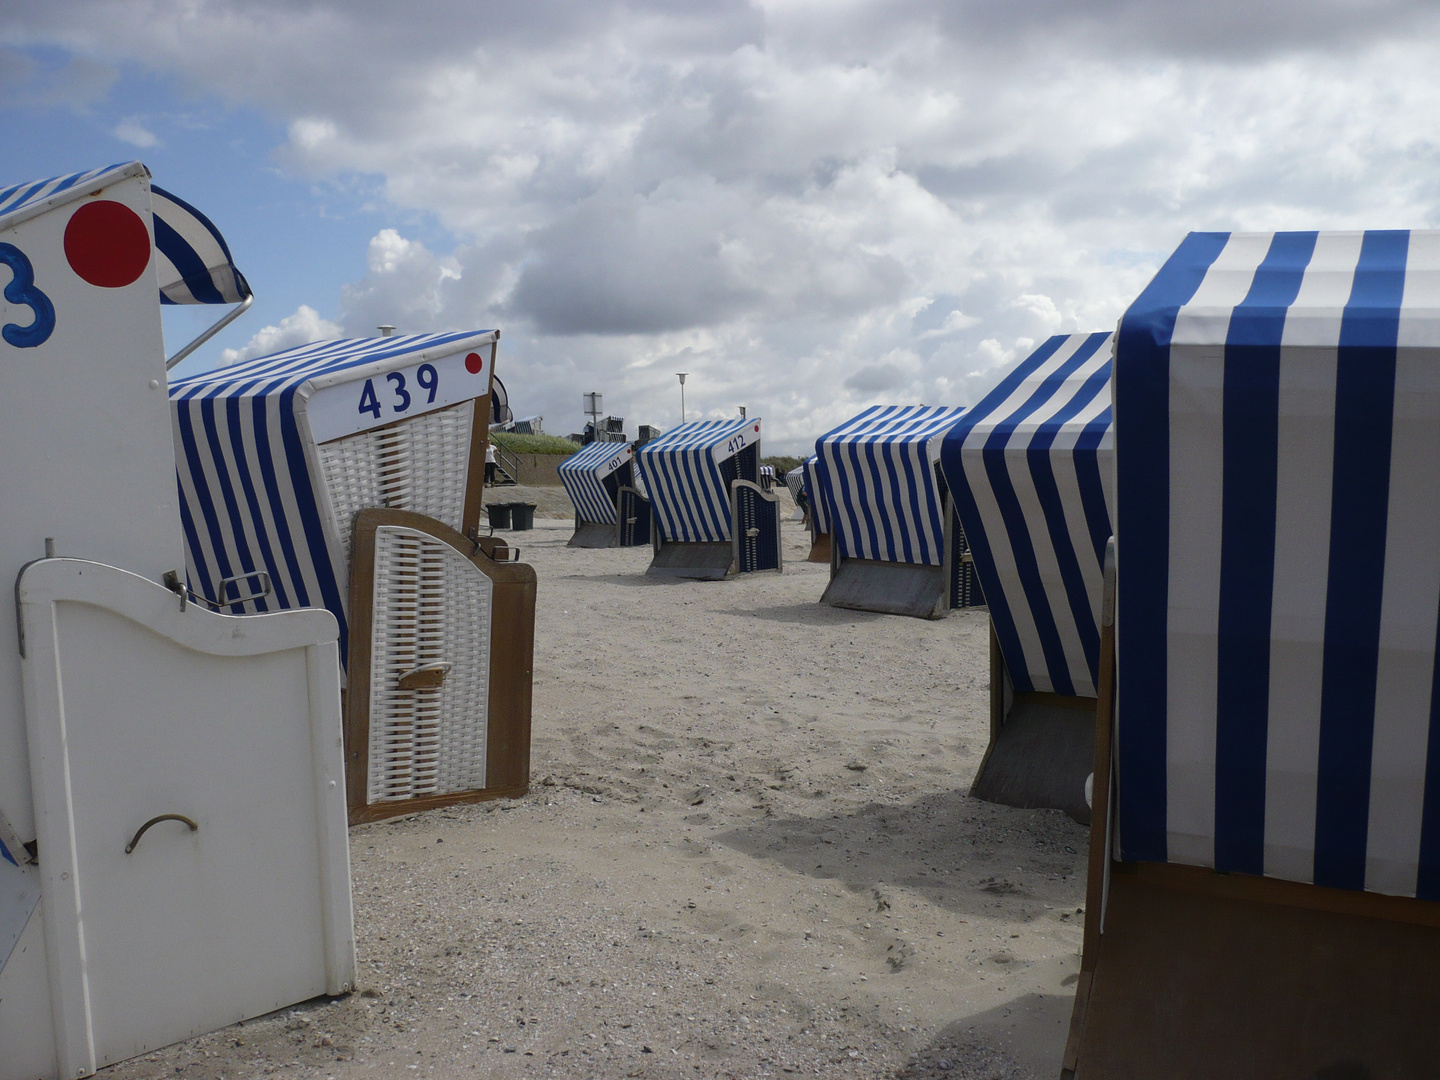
(747, 851)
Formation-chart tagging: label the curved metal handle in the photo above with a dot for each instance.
(155, 821)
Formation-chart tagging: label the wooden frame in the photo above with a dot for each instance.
(512, 655)
(1040, 748)
(1187, 972)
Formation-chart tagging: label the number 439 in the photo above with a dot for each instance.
(425, 375)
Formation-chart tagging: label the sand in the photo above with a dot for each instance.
(747, 852)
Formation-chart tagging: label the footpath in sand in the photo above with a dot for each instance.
(747, 851)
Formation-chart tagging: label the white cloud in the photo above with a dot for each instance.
(801, 203)
(300, 328)
(131, 131)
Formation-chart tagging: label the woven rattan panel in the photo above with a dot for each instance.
(419, 464)
(431, 606)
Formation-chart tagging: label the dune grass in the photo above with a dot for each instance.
(534, 444)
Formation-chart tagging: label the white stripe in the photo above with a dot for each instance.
(1306, 451)
(1411, 599)
(1013, 409)
(1196, 409)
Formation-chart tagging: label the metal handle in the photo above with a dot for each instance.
(266, 588)
(423, 676)
(155, 821)
(751, 533)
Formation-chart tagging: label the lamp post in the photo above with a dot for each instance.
(682, 375)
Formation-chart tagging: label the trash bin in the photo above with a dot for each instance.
(499, 515)
(522, 516)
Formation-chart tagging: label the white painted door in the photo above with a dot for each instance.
(229, 722)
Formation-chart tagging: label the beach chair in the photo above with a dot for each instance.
(277, 458)
(1029, 468)
(815, 519)
(173, 850)
(594, 478)
(710, 517)
(1265, 852)
(893, 547)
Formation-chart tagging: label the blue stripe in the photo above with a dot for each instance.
(270, 475)
(208, 510)
(1364, 412)
(981, 550)
(1251, 403)
(1047, 491)
(192, 541)
(1141, 391)
(310, 514)
(193, 270)
(1092, 485)
(232, 508)
(1022, 547)
(1427, 878)
(252, 503)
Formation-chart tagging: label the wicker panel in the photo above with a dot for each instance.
(431, 606)
(419, 464)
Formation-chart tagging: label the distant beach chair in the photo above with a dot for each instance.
(894, 543)
(1265, 856)
(710, 516)
(1029, 468)
(609, 510)
(795, 484)
(816, 520)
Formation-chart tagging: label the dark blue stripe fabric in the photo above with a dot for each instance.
(1092, 485)
(270, 476)
(1364, 407)
(203, 496)
(952, 462)
(1022, 547)
(310, 514)
(1427, 878)
(193, 270)
(1141, 390)
(252, 503)
(1040, 463)
(1251, 403)
(227, 495)
(192, 542)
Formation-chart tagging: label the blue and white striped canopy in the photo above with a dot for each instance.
(193, 263)
(251, 491)
(1277, 407)
(1029, 468)
(689, 493)
(795, 482)
(583, 475)
(815, 496)
(877, 475)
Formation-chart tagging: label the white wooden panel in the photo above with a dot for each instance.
(136, 708)
(85, 437)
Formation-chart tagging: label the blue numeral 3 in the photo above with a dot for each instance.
(22, 290)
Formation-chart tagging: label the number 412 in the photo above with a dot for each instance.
(425, 375)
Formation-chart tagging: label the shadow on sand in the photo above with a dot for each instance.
(947, 847)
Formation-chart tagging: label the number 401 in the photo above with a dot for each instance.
(425, 375)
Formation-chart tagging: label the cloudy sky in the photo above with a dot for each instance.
(809, 206)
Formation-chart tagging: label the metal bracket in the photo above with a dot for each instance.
(265, 588)
(424, 676)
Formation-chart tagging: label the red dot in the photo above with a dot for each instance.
(473, 363)
(107, 244)
(757, 429)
